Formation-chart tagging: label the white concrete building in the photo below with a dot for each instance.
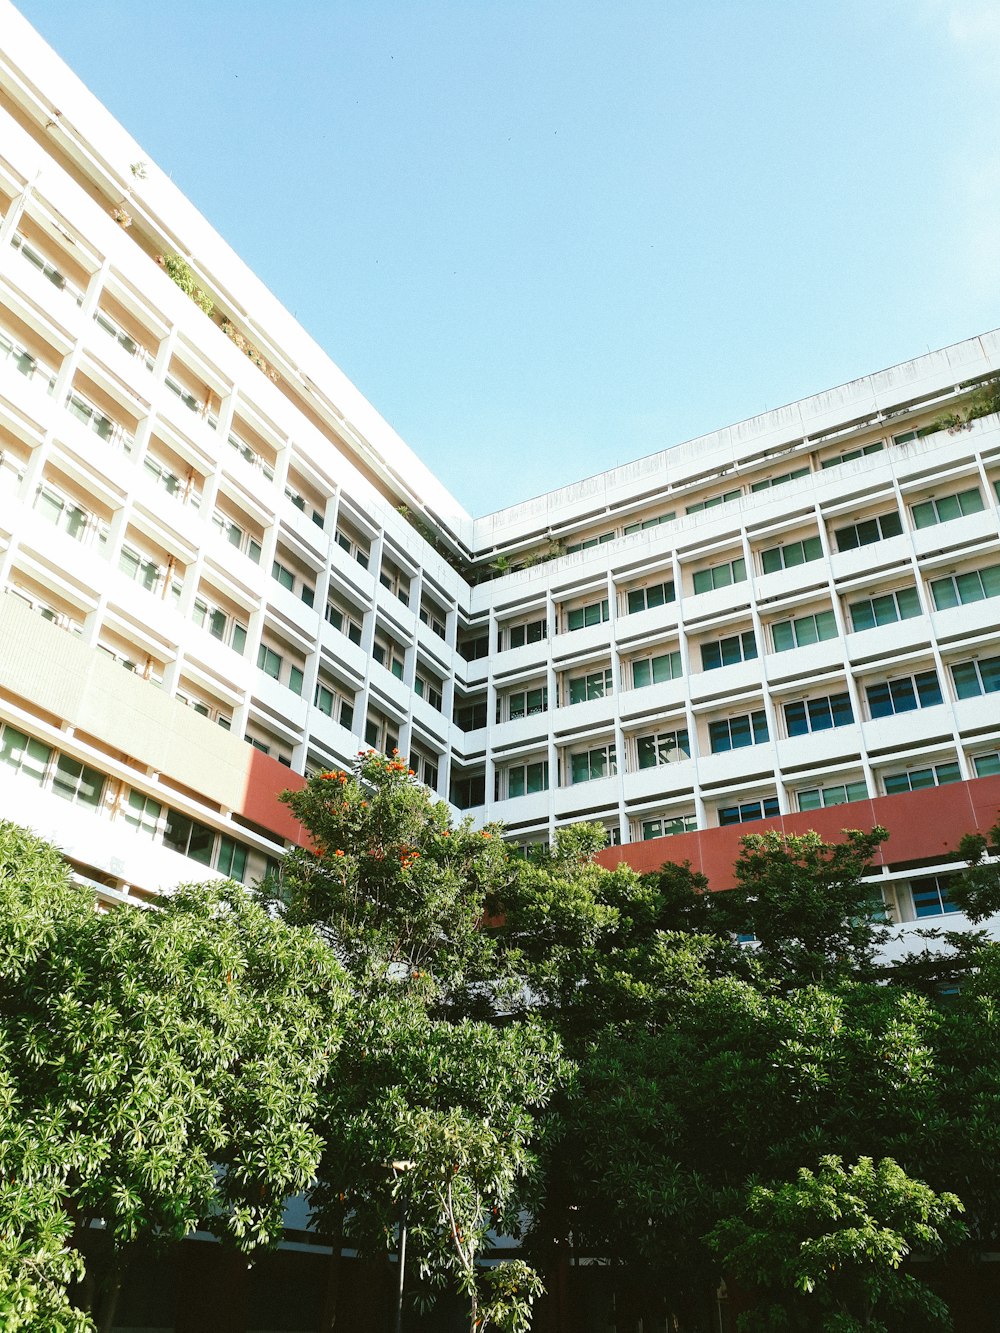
(222, 568)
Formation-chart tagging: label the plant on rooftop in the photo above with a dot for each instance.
(179, 271)
(248, 349)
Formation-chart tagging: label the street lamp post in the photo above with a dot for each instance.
(400, 1168)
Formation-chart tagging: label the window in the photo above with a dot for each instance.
(851, 454)
(595, 685)
(594, 613)
(803, 630)
(668, 826)
(816, 798)
(749, 811)
(959, 589)
(645, 523)
(987, 765)
(929, 512)
(523, 779)
(189, 837)
(980, 676)
(589, 765)
(806, 715)
(77, 782)
(429, 688)
(425, 768)
(526, 703)
(231, 858)
(470, 714)
(283, 575)
(711, 503)
(102, 426)
(381, 733)
(935, 775)
(654, 594)
(236, 536)
(720, 576)
(774, 558)
(930, 896)
(295, 499)
(269, 661)
(472, 647)
(768, 482)
(342, 620)
(220, 625)
(251, 456)
(354, 545)
(389, 655)
(734, 733)
(727, 652)
(433, 617)
(591, 541)
(516, 636)
(63, 513)
(398, 583)
(869, 530)
(296, 680)
(330, 702)
(24, 755)
(655, 670)
(142, 812)
(663, 747)
(139, 568)
(886, 609)
(467, 789)
(903, 694)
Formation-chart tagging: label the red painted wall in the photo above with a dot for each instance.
(922, 825)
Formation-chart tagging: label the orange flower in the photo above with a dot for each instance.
(338, 853)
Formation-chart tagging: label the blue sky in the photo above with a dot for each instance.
(548, 236)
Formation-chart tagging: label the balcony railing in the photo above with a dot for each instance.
(46, 268)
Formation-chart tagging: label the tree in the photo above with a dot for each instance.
(173, 1054)
(806, 903)
(440, 1073)
(826, 1249)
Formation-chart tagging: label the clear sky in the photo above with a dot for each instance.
(548, 236)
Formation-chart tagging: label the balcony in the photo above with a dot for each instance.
(90, 415)
(41, 278)
(13, 355)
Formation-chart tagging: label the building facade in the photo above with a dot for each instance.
(222, 570)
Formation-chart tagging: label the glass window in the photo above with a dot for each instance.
(930, 896)
(850, 454)
(727, 652)
(142, 812)
(527, 703)
(532, 631)
(269, 661)
(283, 575)
(803, 630)
(592, 764)
(189, 837)
(794, 553)
(806, 715)
(595, 685)
(720, 576)
(645, 599)
(886, 609)
(24, 754)
(980, 676)
(816, 798)
(655, 670)
(935, 775)
(959, 589)
(667, 827)
(904, 694)
(780, 480)
(593, 614)
(711, 503)
(987, 765)
(869, 530)
(523, 779)
(929, 512)
(749, 811)
(231, 859)
(663, 747)
(735, 733)
(77, 782)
